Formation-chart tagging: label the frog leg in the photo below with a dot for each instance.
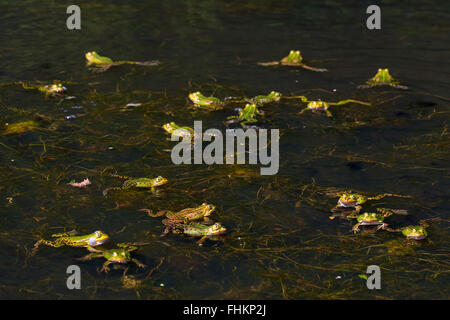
(304, 66)
(398, 86)
(65, 234)
(92, 249)
(55, 244)
(141, 63)
(151, 214)
(166, 231)
(386, 212)
(105, 192)
(138, 263)
(328, 113)
(44, 242)
(366, 86)
(383, 226)
(383, 195)
(348, 101)
(90, 256)
(358, 208)
(202, 239)
(355, 228)
(105, 267)
(303, 98)
(267, 64)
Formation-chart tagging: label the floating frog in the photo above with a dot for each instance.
(294, 59)
(374, 219)
(185, 215)
(179, 131)
(318, 105)
(49, 89)
(414, 232)
(121, 255)
(246, 115)
(101, 63)
(147, 183)
(194, 229)
(71, 239)
(382, 78)
(271, 97)
(210, 103)
(370, 219)
(353, 202)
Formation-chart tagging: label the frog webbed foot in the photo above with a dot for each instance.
(105, 267)
(138, 263)
(355, 228)
(202, 240)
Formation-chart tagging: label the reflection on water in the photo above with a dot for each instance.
(281, 242)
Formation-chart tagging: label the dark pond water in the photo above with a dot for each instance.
(281, 243)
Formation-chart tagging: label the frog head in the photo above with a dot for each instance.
(196, 97)
(294, 57)
(318, 105)
(170, 127)
(275, 96)
(414, 232)
(55, 88)
(94, 58)
(159, 181)
(98, 238)
(382, 76)
(351, 199)
(216, 229)
(117, 255)
(207, 209)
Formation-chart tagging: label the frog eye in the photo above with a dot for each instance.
(209, 207)
(98, 234)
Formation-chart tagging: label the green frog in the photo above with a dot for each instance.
(121, 255)
(375, 219)
(414, 232)
(147, 183)
(382, 78)
(100, 63)
(294, 59)
(50, 90)
(318, 105)
(260, 100)
(353, 202)
(194, 230)
(71, 239)
(246, 115)
(185, 215)
(210, 103)
(370, 219)
(179, 131)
